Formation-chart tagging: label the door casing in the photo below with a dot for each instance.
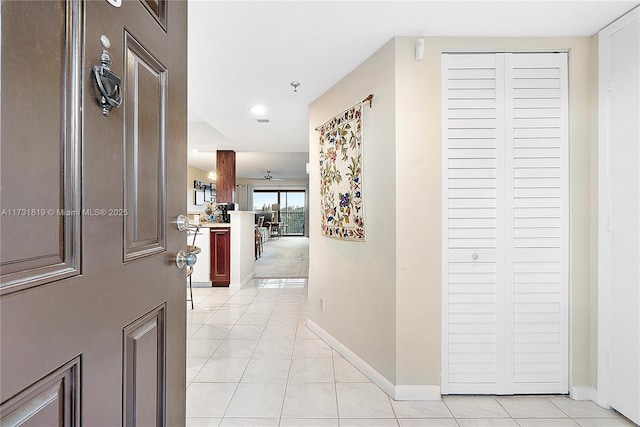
(611, 204)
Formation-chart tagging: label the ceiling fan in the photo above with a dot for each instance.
(269, 177)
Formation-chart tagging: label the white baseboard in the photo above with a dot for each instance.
(400, 392)
(247, 279)
(418, 392)
(244, 282)
(201, 284)
(376, 377)
(583, 392)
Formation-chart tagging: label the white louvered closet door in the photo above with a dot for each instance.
(505, 223)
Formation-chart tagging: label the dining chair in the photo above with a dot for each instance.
(274, 229)
(258, 237)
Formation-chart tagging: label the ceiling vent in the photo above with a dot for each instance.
(262, 120)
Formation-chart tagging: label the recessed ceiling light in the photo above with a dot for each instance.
(258, 110)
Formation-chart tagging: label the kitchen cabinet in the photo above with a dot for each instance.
(220, 245)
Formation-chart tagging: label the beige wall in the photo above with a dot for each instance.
(357, 279)
(192, 175)
(581, 68)
(411, 299)
(418, 243)
(421, 136)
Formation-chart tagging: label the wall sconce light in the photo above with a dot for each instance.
(212, 176)
(419, 49)
(307, 168)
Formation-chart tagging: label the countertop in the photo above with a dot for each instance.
(214, 225)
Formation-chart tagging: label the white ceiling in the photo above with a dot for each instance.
(245, 53)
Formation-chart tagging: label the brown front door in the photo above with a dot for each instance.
(92, 306)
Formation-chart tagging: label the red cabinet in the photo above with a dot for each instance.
(220, 242)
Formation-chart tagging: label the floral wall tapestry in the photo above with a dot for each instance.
(341, 176)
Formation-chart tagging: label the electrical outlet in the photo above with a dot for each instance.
(322, 304)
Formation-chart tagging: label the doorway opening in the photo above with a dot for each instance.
(287, 206)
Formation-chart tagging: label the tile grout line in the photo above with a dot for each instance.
(243, 372)
(238, 383)
(561, 410)
(335, 385)
(455, 420)
(503, 408)
(393, 409)
(221, 340)
(286, 386)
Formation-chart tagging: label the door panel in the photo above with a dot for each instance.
(158, 9)
(145, 109)
(539, 228)
(144, 366)
(505, 224)
(472, 212)
(52, 401)
(39, 229)
(94, 317)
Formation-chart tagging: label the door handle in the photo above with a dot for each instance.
(185, 258)
(182, 222)
(108, 84)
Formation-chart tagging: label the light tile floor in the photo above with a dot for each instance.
(252, 361)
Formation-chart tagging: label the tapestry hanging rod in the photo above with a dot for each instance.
(367, 99)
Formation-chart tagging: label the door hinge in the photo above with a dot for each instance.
(608, 83)
(607, 224)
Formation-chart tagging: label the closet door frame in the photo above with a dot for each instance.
(565, 363)
(605, 301)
